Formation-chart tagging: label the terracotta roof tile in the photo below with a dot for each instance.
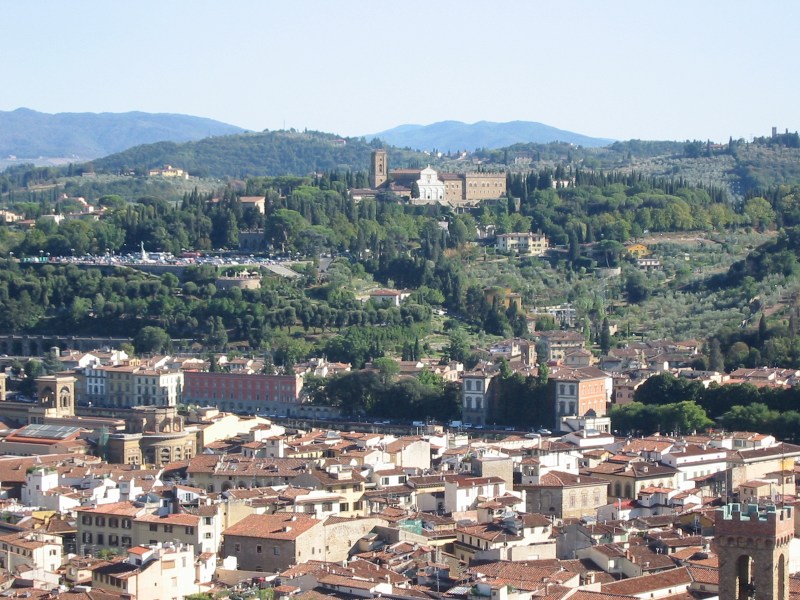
(677, 580)
(280, 526)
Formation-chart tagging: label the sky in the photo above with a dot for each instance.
(645, 69)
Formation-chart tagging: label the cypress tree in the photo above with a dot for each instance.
(605, 337)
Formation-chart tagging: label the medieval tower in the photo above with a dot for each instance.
(378, 169)
(56, 397)
(753, 548)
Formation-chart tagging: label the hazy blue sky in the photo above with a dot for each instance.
(647, 69)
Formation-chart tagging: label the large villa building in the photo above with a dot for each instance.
(453, 189)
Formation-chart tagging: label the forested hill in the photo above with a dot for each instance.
(743, 168)
(27, 133)
(271, 153)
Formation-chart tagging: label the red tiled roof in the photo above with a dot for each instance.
(171, 519)
(677, 580)
(280, 526)
(124, 509)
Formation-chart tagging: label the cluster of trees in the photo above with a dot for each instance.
(667, 404)
(69, 300)
(787, 140)
(523, 400)
(378, 392)
(595, 206)
(774, 342)
(778, 256)
(676, 418)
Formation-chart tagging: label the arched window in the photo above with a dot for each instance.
(744, 574)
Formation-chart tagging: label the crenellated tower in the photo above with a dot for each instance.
(753, 547)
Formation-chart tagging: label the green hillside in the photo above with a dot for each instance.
(271, 153)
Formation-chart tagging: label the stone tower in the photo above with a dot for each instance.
(753, 548)
(56, 395)
(379, 169)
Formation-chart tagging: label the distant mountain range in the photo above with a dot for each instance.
(26, 133)
(451, 136)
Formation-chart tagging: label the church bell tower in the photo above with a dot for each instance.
(379, 169)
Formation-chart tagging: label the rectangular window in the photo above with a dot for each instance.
(86, 520)
(167, 528)
(237, 547)
(258, 548)
(100, 539)
(189, 530)
(153, 527)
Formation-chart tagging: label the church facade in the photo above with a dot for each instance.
(428, 186)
